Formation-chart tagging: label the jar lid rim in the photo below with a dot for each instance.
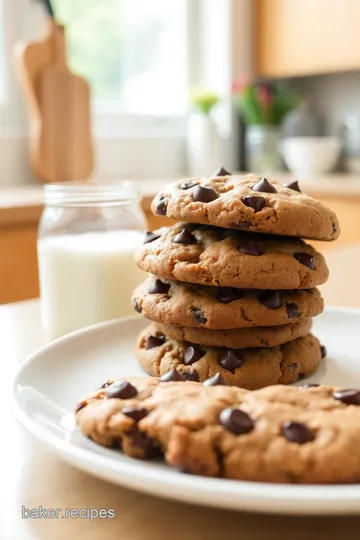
(89, 191)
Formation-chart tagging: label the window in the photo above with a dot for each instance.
(133, 53)
(140, 57)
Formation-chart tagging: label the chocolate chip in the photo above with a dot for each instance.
(121, 390)
(117, 444)
(216, 380)
(225, 295)
(159, 287)
(192, 354)
(291, 310)
(297, 433)
(231, 359)
(294, 186)
(306, 259)
(323, 351)
(270, 299)
(292, 366)
(349, 396)
(308, 385)
(171, 376)
(251, 248)
(191, 376)
(221, 172)
(264, 186)
(334, 228)
(236, 421)
(136, 305)
(301, 376)
(256, 203)
(204, 194)
(188, 185)
(184, 237)
(154, 341)
(135, 413)
(106, 384)
(150, 237)
(198, 316)
(142, 441)
(161, 207)
(81, 405)
(240, 226)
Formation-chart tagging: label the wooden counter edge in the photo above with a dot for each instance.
(15, 216)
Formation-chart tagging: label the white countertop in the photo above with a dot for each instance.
(328, 186)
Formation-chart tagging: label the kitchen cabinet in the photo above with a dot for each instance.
(304, 37)
(18, 263)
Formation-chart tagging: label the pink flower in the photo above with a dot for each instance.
(239, 84)
(264, 95)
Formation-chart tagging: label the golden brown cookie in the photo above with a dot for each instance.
(250, 203)
(238, 338)
(213, 256)
(187, 304)
(247, 368)
(277, 434)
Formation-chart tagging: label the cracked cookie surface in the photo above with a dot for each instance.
(214, 256)
(277, 434)
(232, 202)
(246, 368)
(221, 308)
(238, 338)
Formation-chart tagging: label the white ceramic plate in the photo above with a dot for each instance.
(50, 383)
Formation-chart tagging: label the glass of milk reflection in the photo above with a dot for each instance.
(88, 236)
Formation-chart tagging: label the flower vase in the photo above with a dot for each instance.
(203, 145)
(262, 156)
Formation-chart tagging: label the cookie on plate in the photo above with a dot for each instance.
(249, 203)
(237, 338)
(277, 434)
(214, 256)
(247, 368)
(221, 308)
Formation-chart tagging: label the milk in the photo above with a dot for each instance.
(87, 278)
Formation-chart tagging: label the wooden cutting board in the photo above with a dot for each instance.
(61, 146)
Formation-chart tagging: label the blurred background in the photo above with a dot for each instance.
(152, 91)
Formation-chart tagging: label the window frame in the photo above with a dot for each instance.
(30, 26)
(120, 139)
(3, 79)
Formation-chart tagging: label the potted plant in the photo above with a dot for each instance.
(262, 106)
(203, 140)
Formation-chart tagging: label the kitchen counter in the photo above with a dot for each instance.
(21, 207)
(25, 202)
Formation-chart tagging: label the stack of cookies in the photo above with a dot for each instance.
(233, 286)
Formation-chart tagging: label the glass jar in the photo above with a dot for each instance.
(87, 237)
(262, 156)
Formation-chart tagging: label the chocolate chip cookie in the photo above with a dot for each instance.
(248, 203)
(214, 256)
(237, 338)
(277, 434)
(247, 368)
(222, 308)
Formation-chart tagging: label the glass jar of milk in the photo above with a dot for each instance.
(88, 235)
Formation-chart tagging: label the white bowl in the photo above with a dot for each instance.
(308, 156)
